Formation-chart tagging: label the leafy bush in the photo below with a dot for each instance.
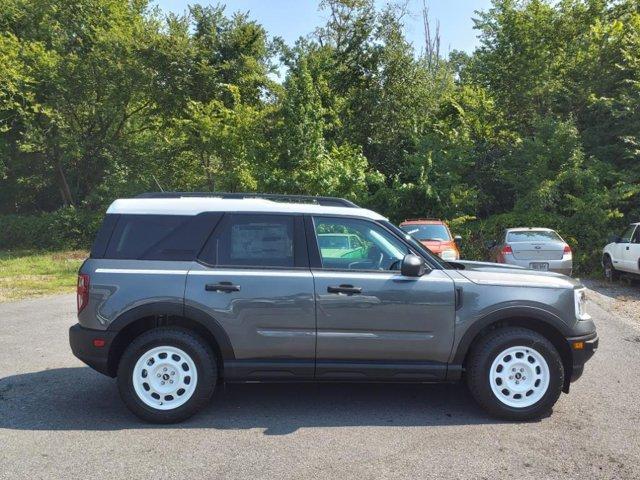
(66, 228)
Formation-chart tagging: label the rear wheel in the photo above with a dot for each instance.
(166, 375)
(515, 373)
(610, 273)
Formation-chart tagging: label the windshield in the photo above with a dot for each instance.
(428, 232)
(417, 246)
(534, 236)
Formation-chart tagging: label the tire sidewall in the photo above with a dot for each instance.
(192, 346)
(556, 376)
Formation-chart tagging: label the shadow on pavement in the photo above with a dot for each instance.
(80, 399)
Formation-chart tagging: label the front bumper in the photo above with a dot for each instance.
(589, 345)
(82, 339)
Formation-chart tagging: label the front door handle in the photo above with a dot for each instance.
(627, 248)
(227, 287)
(348, 289)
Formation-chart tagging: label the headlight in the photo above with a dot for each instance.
(580, 296)
(449, 254)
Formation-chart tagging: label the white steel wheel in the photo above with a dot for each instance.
(165, 377)
(519, 376)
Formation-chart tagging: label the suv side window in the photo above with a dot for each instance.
(160, 237)
(243, 240)
(636, 237)
(376, 248)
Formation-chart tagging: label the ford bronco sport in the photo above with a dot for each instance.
(183, 291)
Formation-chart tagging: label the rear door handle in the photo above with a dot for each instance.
(348, 289)
(227, 287)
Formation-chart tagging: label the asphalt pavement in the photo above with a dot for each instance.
(60, 419)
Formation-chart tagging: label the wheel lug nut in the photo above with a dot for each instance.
(162, 383)
(173, 373)
(158, 375)
(170, 381)
(164, 369)
(517, 382)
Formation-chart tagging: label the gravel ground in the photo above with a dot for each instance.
(59, 419)
(619, 298)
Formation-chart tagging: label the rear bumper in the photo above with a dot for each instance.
(81, 340)
(559, 266)
(580, 356)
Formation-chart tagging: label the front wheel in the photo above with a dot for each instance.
(515, 373)
(166, 375)
(610, 272)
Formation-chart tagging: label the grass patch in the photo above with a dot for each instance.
(29, 274)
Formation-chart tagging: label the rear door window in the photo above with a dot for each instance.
(256, 240)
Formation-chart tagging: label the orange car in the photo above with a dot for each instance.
(435, 235)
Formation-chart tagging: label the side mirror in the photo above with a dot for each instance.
(412, 266)
(614, 239)
(490, 244)
(458, 241)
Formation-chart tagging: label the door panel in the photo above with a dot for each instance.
(631, 253)
(254, 280)
(269, 318)
(395, 320)
(622, 259)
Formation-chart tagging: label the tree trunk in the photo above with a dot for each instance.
(65, 191)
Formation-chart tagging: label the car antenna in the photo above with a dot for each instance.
(157, 182)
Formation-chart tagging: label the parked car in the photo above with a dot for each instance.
(184, 291)
(534, 248)
(345, 245)
(435, 235)
(622, 254)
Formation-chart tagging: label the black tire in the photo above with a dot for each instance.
(487, 350)
(610, 272)
(185, 340)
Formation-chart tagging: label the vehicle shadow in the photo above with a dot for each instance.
(80, 399)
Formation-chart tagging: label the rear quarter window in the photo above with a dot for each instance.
(160, 237)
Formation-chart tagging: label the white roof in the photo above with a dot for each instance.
(196, 205)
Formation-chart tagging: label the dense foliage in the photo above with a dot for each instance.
(539, 126)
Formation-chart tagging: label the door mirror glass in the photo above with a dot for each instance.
(458, 240)
(412, 266)
(489, 244)
(614, 239)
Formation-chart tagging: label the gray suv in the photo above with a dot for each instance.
(184, 291)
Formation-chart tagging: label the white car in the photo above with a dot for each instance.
(622, 255)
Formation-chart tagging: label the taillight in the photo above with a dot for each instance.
(567, 250)
(83, 291)
(506, 249)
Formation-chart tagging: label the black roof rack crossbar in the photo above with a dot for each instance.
(277, 197)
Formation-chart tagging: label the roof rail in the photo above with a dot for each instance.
(276, 197)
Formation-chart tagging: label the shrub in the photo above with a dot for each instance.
(67, 228)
